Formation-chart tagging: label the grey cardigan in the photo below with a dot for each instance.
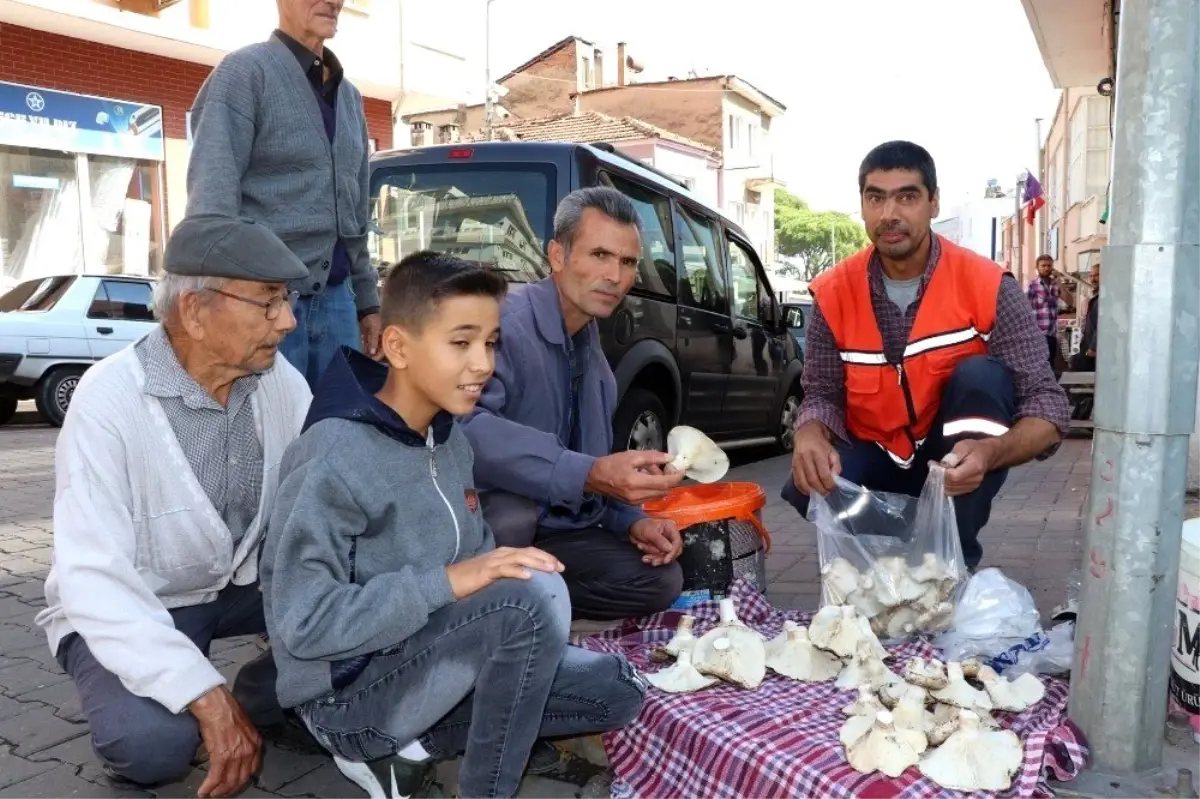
(260, 150)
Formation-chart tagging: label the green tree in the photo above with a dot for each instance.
(805, 234)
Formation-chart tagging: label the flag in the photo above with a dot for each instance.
(1034, 197)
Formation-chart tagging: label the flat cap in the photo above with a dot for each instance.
(212, 245)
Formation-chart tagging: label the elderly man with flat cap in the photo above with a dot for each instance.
(166, 470)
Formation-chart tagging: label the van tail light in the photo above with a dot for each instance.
(462, 152)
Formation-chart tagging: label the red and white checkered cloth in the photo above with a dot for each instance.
(782, 740)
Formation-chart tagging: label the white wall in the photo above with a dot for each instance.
(971, 225)
(688, 166)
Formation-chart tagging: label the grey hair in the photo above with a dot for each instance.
(171, 287)
(608, 201)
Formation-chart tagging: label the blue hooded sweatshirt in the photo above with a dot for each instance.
(368, 516)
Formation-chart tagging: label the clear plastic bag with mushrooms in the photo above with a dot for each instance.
(897, 560)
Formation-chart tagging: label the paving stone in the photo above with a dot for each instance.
(10, 707)
(26, 588)
(324, 781)
(281, 767)
(63, 697)
(25, 678)
(63, 781)
(14, 769)
(38, 730)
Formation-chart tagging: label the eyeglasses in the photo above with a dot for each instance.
(273, 306)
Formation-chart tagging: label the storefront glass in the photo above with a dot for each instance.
(79, 185)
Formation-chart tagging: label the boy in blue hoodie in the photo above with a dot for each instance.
(386, 600)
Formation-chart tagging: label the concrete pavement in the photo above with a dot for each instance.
(1036, 536)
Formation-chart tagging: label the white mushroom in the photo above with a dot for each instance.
(936, 618)
(867, 704)
(683, 638)
(855, 673)
(946, 717)
(732, 651)
(929, 674)
(840, 580)
(869, 636)
(835, 628)
(884, 748)
(910, 712)
(1015, 696)
(971, 667)
(696, 455)
(958, 693)
(932, 570)
(892, 581)
(896, 622)
(797, 658)
(681, 676)
(866, 603)
(857, 726)
(975, 759)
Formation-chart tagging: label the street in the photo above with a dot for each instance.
(1035, 536)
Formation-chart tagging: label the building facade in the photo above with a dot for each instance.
(724, 113)
(95, 97)
(978, 226)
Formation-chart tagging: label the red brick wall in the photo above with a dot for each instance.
(73, 65)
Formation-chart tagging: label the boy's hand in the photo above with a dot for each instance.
(481, 571)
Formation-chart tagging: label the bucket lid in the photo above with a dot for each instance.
(696, 504)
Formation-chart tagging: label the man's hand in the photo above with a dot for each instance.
(632, 477)
(1091, 353)
(233, 744)
(815, 461)
(657, 539)
(477, 573)
(967, 464)
(370, 328)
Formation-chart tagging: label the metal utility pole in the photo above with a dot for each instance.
(487, 69)
(1018, 231)
(1145, 399)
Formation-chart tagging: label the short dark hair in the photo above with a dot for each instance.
(605, 199)
(415, 287)
(1044, 257)
(894, 155)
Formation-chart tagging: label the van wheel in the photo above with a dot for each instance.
(640, 422)
(8, 409)
(787, 420)
(54, 394)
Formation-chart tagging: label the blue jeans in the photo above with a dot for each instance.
(324, 322)
(510, 640)
(980, 388)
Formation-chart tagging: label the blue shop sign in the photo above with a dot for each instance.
(44, 119)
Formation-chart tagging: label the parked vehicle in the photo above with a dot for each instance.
(698, 341)
(52, 329)
(795, 319)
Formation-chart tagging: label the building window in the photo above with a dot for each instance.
(1091, 149)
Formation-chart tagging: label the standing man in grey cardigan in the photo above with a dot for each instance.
(279, 136)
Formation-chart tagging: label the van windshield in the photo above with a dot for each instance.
(497, 215)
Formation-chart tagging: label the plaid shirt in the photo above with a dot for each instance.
(1043, 298)
(1016, 342)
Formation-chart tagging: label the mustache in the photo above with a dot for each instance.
(888, 227)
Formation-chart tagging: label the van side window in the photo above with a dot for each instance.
(702, 284)
(656, 271)
(744, 283)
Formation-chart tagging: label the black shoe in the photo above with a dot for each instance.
(393, 777)
(544, 758)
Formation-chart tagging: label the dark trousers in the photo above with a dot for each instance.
(1082, 362)
(136, 737)
(1052, 348)
(980, 388)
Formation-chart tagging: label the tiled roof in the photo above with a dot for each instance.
(588, 127)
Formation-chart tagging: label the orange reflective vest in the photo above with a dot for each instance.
(895, 404)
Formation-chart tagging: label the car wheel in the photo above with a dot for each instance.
(640, 422)
(54, 394)
(8, 409)
(787, 420)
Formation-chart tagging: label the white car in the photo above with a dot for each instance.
(54, 328)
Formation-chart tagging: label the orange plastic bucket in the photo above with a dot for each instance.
(697, 504)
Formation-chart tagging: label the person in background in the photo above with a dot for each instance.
(279, 136)
(1085, 359)
(403, 635)
(167, 468)
(1044, 292)
(542, 431)
(920, 351)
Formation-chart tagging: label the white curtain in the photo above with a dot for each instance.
(110, 186)
(50, 243)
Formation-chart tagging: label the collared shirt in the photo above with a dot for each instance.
(1015, 341)
(221, 443)
(1043, 298)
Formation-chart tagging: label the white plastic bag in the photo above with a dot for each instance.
(1055, 658)
(895, 558)
(992, 614)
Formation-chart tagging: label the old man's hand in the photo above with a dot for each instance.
(657, 539)
(234, 745)
(632, 477)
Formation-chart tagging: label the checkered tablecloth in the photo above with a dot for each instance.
(782, 740)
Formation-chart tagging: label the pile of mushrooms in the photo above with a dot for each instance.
(935, 719)
(897, 599)
(838, 645)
